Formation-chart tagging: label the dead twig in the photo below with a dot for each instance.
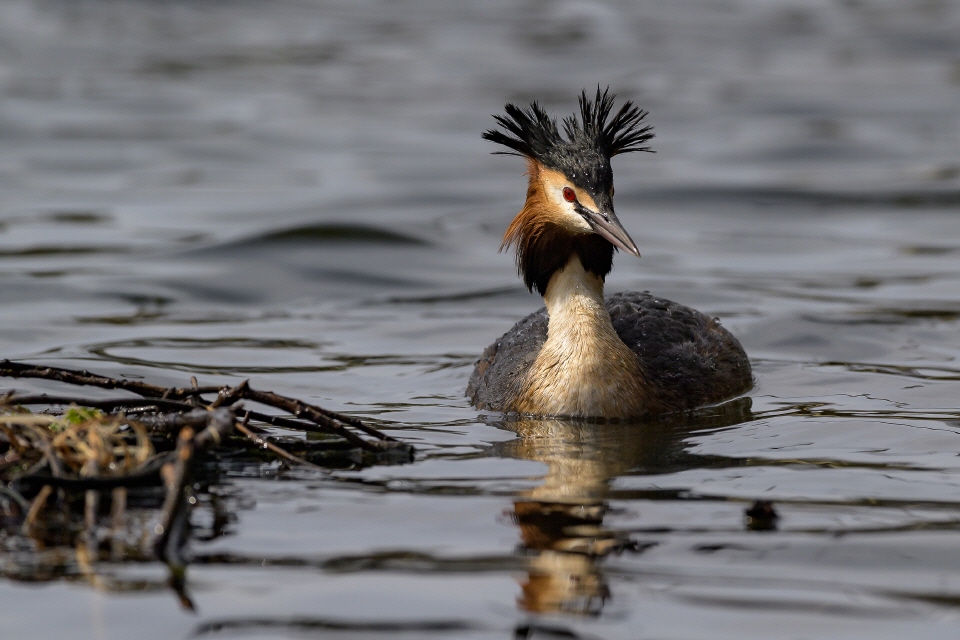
(286, 455)
(71, 376)
(172, 399)
(35, 508)
(322, 418)
(131, 405)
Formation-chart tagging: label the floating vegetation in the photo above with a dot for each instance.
(73, 468)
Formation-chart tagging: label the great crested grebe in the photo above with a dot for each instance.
(631, 355)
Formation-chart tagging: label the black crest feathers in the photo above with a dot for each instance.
(622, 134)
(532, 133)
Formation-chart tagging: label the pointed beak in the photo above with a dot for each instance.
(606, 224)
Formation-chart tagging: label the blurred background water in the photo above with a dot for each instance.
(296, 192)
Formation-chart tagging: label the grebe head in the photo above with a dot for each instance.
(569, 206)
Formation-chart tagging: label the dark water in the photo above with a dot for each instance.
(296, 193)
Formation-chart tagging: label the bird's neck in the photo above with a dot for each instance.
(574, 299)
(583, 368)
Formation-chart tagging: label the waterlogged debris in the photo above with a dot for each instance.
(74, 474)
(761, 516)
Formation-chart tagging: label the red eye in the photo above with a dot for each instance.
(569, 195)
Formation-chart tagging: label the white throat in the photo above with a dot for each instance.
(572, 290)
(583, 369)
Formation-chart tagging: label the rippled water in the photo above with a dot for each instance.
(296, 193)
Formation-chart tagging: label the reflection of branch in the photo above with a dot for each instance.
(288, 626)
(175, 517)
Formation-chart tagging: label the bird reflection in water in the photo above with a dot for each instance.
(561, 520)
